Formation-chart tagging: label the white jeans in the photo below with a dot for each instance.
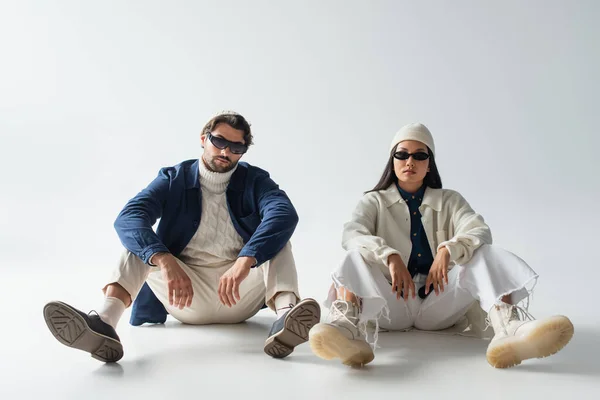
(260, 287)
(491, 274)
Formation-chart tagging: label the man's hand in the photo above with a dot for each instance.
(438, 273)
(229, 284)
(401, 279)
(179, 284)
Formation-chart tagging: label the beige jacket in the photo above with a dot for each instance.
(380, 226)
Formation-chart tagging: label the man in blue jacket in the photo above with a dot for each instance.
(220, 253)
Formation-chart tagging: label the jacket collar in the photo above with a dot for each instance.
(192, 175)
(432, 197)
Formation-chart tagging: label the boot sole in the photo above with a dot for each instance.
(69, 328)
(298, 323)
(327, 342)
(545, 340)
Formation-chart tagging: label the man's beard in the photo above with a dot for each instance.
(217, 167)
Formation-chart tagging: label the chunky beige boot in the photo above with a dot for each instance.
(341, 338)
(516, 340)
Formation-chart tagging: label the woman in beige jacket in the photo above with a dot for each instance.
(418, 256)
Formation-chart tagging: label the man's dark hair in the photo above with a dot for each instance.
(236, 121)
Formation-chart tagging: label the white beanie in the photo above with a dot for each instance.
(415, 131)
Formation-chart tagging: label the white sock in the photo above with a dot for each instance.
(283, 302)
(111, 311)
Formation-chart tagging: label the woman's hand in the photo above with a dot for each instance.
(438, 273)
(401, 279)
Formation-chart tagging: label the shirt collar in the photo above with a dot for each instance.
(431, 197)
(412, 197)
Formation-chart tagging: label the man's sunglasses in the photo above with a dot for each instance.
(222, 143)
(404, 155)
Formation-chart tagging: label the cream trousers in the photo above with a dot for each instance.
(259, 288)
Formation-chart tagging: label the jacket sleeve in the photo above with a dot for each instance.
(134, 223)
(359, 232)
(470, 231)
(278, 222)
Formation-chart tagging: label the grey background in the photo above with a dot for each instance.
(95, 97)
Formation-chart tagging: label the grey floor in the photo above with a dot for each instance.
(191, 362)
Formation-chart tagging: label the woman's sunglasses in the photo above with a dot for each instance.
(221, 143)
(404, 155)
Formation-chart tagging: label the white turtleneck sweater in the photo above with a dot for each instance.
(216, 242)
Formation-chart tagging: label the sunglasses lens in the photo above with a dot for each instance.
(401, 155)
(237, 148)
(218, 142)
(421, 156)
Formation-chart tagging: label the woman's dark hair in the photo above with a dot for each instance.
(432, 179)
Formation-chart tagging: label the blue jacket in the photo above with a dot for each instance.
(261, 213)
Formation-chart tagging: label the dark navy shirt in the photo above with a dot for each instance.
(421, 257)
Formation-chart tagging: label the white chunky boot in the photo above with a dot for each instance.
(341, 338)
(516, 340)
